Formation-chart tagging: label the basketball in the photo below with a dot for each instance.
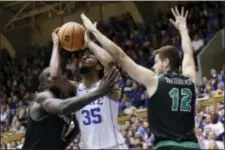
(71, 36)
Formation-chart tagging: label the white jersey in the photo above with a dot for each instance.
(98, 122)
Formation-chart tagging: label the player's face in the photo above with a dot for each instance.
(88, 60)
(159, 65)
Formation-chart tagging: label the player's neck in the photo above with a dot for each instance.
(88, 81)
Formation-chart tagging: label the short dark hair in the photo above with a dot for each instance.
(169, 52)
(86, 51)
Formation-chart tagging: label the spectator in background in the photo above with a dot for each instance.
(203, 86)
(197, 43)
(214, 74)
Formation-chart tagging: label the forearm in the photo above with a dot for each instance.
(55, 68)
(75, 103)
(104, 58)
(186, 42)
(115, 51)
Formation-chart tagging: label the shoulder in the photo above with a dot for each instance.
(42, 96)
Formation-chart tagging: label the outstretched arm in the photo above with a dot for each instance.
(135, 71)
(66, 106)
(188, 65)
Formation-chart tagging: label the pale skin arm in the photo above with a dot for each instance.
(188, 65)
(135, 71)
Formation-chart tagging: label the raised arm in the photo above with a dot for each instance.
(105, 59)
(55, 69)
(135, 71)
(65, 85)
(66, 106)
(188, 65)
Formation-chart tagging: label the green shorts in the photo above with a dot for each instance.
(185, 144)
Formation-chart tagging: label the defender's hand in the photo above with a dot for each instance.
(87, 23)
(87, 36)
(55, 38)
(109, 81)
(180, 18)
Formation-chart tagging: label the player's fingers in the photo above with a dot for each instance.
(56, 30)
(82, 16)
(173, 12)
(115, 82)
(115, 79)
(173, 23)
(177, 11)
(182, 11)
(186, 14)
(114, 75)
(95, 24)
(109, 75)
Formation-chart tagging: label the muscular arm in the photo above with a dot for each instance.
(55, 69)
(188, 65)
(66, 106)
(135, 71)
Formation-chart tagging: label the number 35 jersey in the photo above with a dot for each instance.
(98, 121)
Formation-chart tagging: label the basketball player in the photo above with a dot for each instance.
(98, 120)
(51, 124)
(171, 107)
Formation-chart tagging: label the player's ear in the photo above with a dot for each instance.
(166, 62)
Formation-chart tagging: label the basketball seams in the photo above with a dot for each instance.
(63, 35)
(72, 42)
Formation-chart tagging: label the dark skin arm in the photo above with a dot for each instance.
(62, 107)
(58, 106)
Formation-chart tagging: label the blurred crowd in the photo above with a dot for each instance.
(19, 76)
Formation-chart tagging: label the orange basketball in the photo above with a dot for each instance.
(71, 36)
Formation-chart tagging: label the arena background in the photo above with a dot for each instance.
(25, 34)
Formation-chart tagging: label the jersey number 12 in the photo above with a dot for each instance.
(184, 100)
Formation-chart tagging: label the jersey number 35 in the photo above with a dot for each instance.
(92, 116)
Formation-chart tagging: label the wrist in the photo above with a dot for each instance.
(183, 30)
(94, 30)
(89, 43)
(99, 93)
(55, 44)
